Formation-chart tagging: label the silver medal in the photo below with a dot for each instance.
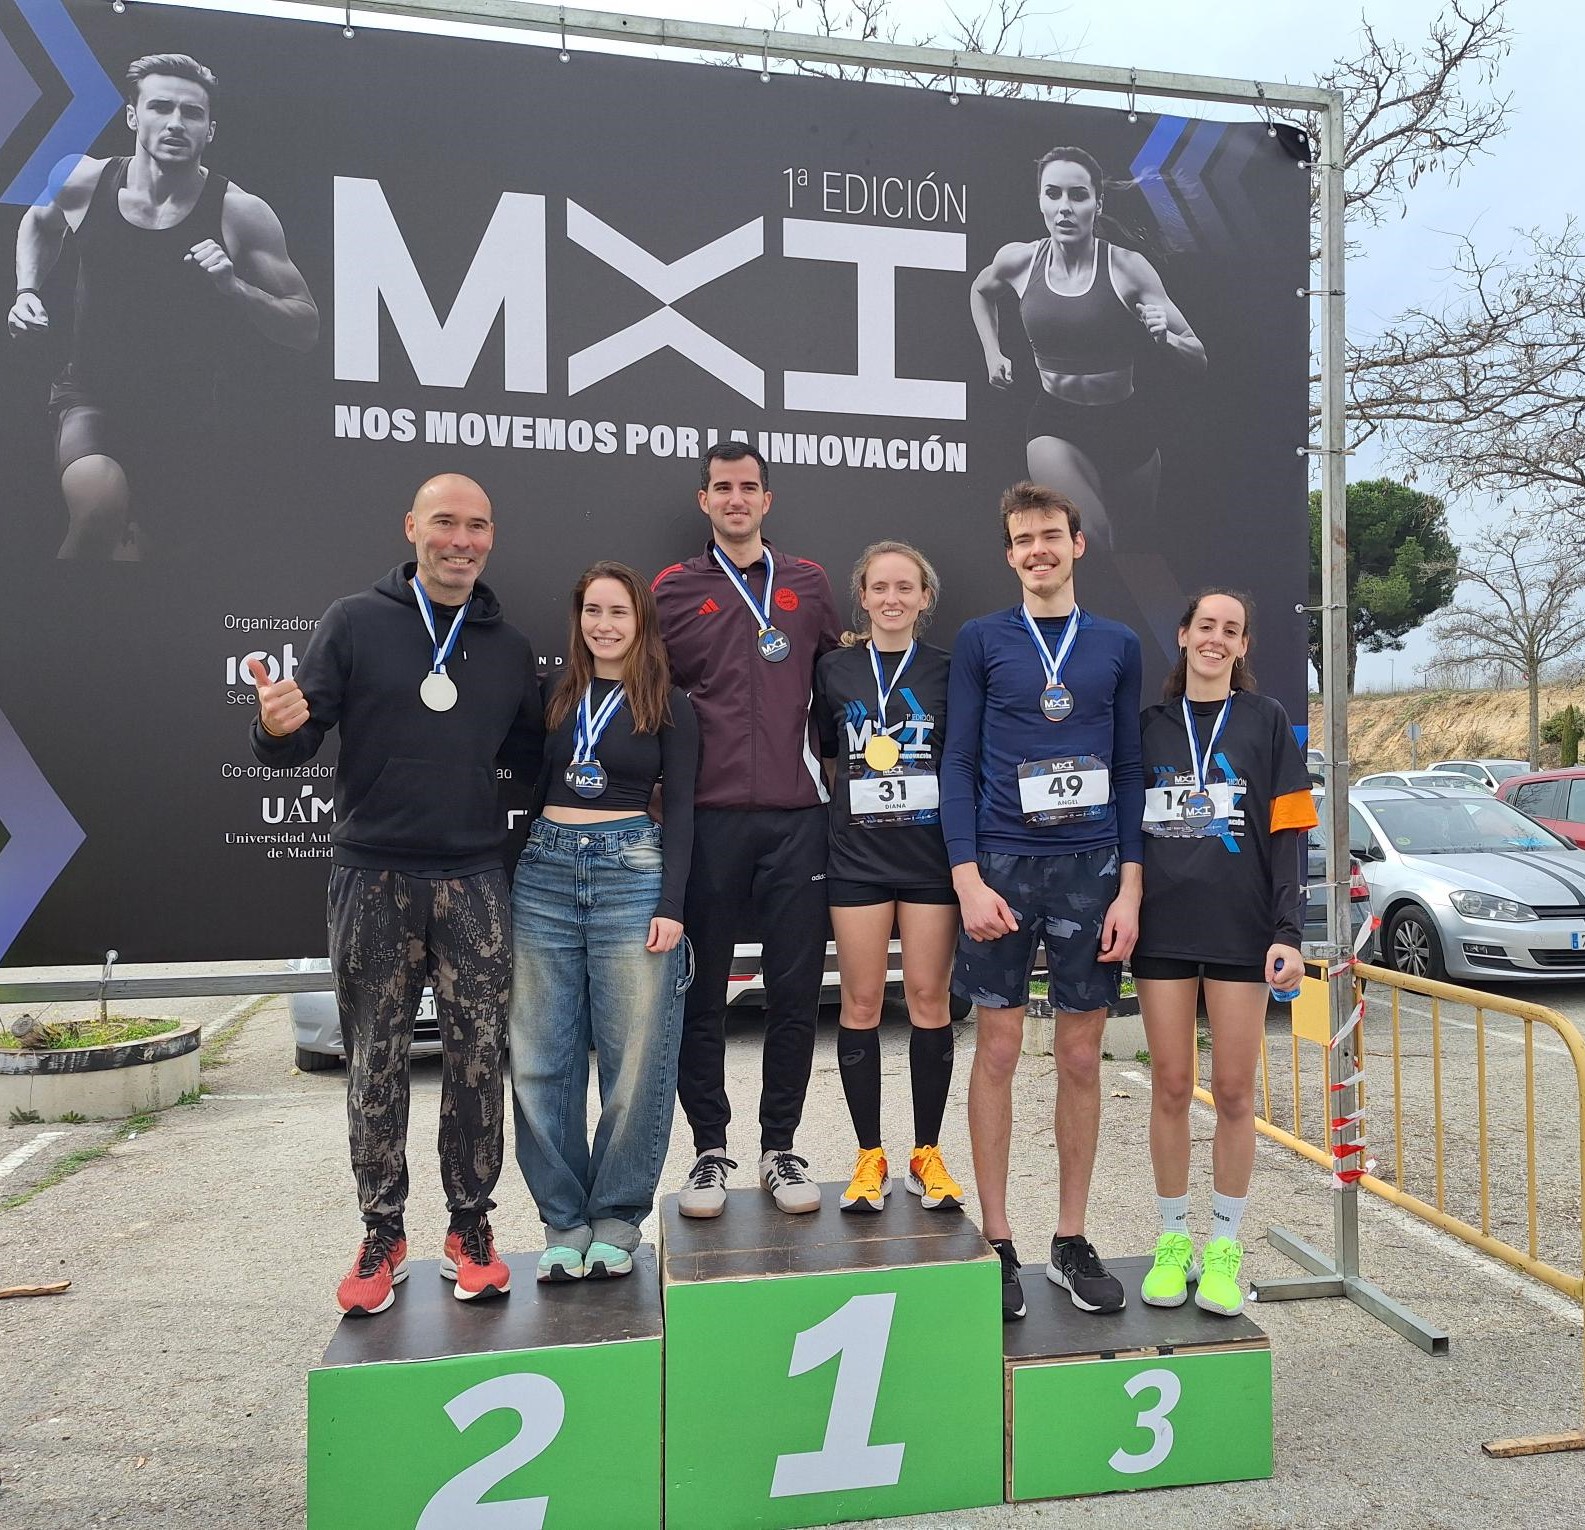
(438, 692)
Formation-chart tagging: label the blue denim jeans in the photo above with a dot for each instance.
(582, 901)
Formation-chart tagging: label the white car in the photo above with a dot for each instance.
(316, 1022)
(1488, 773)
(1437, 780)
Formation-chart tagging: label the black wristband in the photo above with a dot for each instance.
(24, 291)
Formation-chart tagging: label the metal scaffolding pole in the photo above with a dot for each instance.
(1339, 1275)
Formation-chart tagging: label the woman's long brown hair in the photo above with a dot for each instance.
(646, 673)
(1243, 676)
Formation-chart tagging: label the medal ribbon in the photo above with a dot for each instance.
(427, 611)
(883, 692)
(1202, 764)
(590, 725)
(1064, 647)
(740, 584)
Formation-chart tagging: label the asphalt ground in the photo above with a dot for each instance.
(167, 1388)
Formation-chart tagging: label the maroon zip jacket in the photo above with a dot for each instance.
(757, 741)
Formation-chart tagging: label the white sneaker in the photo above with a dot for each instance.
(782, 1173)
(704, 1194)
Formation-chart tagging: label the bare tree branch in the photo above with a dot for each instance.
(997, 28)
(1409, 113)
(1489, 391)
(1525, 611)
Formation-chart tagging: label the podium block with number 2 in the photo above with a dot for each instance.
(814, 1379)
(539, 1409)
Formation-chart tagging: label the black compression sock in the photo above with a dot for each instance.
(930, 1070)
(859, 1062)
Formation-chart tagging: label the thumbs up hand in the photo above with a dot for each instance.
(283, 708)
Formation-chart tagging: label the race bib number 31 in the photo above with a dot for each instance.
(1075, 790)
(900, 797)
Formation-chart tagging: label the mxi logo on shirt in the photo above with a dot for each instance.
(912, 733)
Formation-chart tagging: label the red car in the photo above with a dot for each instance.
(1554, 798)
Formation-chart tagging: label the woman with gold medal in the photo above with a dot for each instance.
(880, 704)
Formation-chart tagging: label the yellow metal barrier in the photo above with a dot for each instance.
(1477, 1228)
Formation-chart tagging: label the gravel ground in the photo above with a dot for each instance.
(167, 1388)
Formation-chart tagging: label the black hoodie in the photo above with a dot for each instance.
(416, 790)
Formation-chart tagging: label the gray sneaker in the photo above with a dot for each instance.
(782, 1173)
(704, 1195)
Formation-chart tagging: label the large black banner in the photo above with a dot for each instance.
(413, 254)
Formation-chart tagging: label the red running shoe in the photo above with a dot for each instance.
(470, 1260)
(381, 1265)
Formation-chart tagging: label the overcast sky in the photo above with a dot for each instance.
(1531, 177)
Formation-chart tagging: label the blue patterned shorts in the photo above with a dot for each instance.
(1061, 898)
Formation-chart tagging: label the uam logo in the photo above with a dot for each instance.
(282, 668)
(304, 808)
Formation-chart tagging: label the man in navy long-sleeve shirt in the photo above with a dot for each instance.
(1042, 798)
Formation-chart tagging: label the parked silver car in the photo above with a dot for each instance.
(316, 1023)
(1441, 780)
(1488, 773)
(1466, 887)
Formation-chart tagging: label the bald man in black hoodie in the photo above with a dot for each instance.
(430, 689)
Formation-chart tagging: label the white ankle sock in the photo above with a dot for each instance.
(1174, 1211)
(1227, 1211)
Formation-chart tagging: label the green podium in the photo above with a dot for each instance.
(542, 1408)
(830, 1366)
(1143, 1398)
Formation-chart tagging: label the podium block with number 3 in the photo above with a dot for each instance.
(1142, 1398)
(539, 1409)
(813, 1378)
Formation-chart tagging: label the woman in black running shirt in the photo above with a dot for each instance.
(1088, 306)
(1227, 804)
(880, 705)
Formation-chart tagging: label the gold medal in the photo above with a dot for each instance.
(881, 752)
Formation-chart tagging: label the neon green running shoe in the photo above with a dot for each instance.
(1219, 1290)
(1167, 1283)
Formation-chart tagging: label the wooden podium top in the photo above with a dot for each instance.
(1057, 1330)
(426, 1322)
(752, 1239)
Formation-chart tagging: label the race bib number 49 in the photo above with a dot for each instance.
(1075, 790)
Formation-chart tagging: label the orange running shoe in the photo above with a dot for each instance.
(929, 1180)
(470, 1260)
(381, 1264)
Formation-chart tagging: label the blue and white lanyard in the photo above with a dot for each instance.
(883, 691)
(427, 611)
(591, 725)
(1199, 763)
(1064, 646)
(740, 584)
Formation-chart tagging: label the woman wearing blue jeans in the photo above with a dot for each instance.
(599, 957)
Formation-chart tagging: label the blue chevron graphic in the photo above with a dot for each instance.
(95, 100)
(1187, 172)
(44, 836)
(1146, 170)
(18, 91)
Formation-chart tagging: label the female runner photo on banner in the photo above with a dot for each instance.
(1091, 308)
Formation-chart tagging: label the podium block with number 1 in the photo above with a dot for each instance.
(815, 1365)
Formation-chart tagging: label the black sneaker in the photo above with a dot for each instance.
(1078, 1269)
(1012, 1292)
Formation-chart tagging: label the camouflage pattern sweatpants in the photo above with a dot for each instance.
(390, 934)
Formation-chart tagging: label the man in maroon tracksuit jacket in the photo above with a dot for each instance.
(744, 625)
